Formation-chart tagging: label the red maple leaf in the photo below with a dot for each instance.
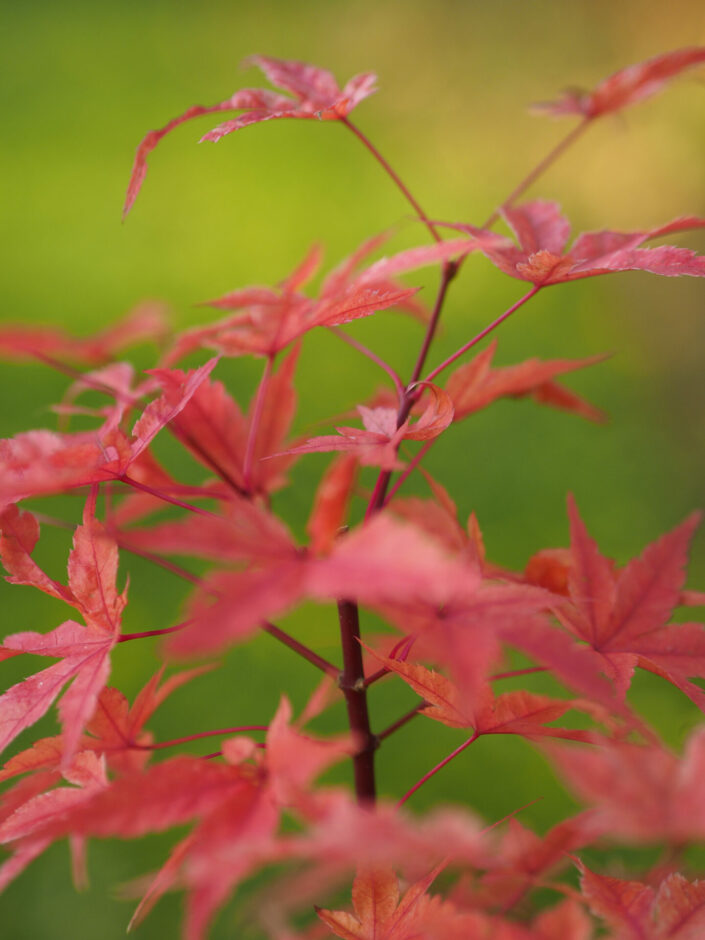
(41, 462)
(542, 258)
(272, 319)
(238, 805)
(675, 910)
(378, 443)
(624, 619)
(476, 385)
(522, 713)
(627, 86)
(313, 93)
(215, 430)
(147, 322)
(84, 650)
(642, 793)
(380, 912)
(116, 730)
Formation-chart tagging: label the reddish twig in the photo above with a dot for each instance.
(308, 654)
(434, 770)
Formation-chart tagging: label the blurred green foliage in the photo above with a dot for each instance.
(83, 83)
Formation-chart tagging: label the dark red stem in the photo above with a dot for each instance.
(141, 636)
(352, 683)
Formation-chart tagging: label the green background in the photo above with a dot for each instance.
(84, 82)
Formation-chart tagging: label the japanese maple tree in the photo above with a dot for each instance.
(253, 805)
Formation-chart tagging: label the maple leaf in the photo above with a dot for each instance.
(147, 322)
(523, 860)
(380, 913)
(641, 792)
(215, 430)
(84, 650)
(314, 93)
(542, 258)
(464, 629)
(377, 445)
(238, 806)
(522, 713)
(476, 384)
(673, 911)
(624, 618)
(41, 462)
(87, 774)
(384, 560)
(272, 319)
(627, 86)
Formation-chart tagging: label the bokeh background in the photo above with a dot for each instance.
(84, 81)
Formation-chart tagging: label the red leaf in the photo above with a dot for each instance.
(316, 95)
(641, 793)
(147, 322)
(435, 418)
(19, 533)
(179, 388)
(627, 86)
(331, 503)
(379, 912)
(85, 650)
(476, 385)
(624, 619)
(542, 260)
(213, 428)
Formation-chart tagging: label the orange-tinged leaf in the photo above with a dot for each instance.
(435, 418)
(379, 913)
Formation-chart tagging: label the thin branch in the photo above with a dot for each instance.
(318, 661)
(539, 169)
(85, 378)
(174, 742)
(376, 676)
(482, 334)
(516, 672)
(361, 348)
(158, 560)
(449, 270)
(399, 651)
(408, 470)
(394, 177)
(400, 722)
(167, 499)
(434, 770)
(141, 636)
